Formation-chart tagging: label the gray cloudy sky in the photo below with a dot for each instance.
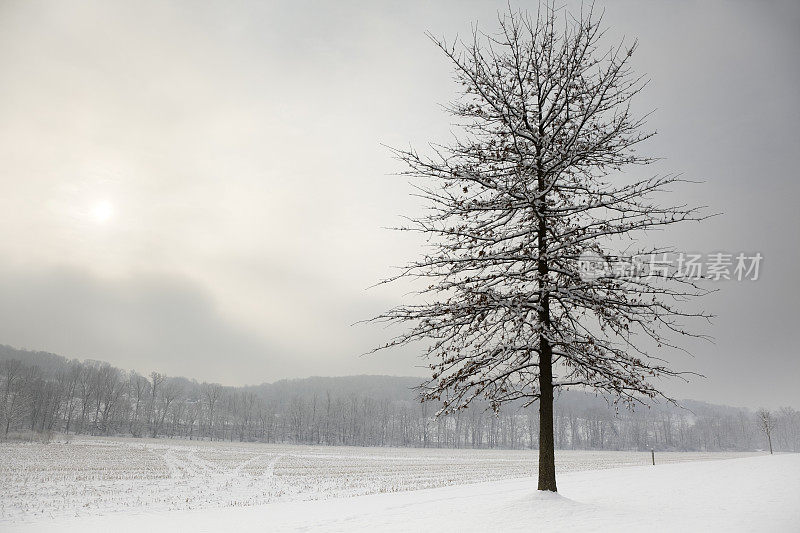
(200, 188)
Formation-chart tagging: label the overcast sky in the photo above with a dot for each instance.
(201, 188)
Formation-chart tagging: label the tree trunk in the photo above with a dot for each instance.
(547, 457)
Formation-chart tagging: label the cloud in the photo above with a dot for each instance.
(168, 324)
(146, 322)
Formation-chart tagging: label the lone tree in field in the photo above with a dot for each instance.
(532, 181)
(766, 423)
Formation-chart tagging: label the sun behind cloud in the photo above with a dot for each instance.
(102, 211)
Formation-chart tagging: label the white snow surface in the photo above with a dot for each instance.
(135, 485)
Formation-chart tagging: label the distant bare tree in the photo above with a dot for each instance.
(156, 379)
(170, 391)
(73, 375)
(138, 390)
(211, 396)
(297, 415)
(789, 428)
(12, 374)
(514, 201)
(767, 424)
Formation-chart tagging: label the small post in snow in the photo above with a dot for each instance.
(653, 456)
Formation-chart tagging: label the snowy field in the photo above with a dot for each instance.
(96, 482)
(758, 494)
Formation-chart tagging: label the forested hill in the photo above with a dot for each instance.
(45, 360)
(394, 388)
(49, 393)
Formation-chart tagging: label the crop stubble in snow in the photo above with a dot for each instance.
(99, 476)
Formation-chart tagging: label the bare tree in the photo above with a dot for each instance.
(74, 373)
(767, 424)
(789, 428)
(211, 395)
(530, 184)
(156, 380)
(13, 374)
(138, 386)
(169, 392)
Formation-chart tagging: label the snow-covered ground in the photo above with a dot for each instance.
(118, 484)
(755, 494)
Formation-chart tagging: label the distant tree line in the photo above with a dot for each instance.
(45, 393)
